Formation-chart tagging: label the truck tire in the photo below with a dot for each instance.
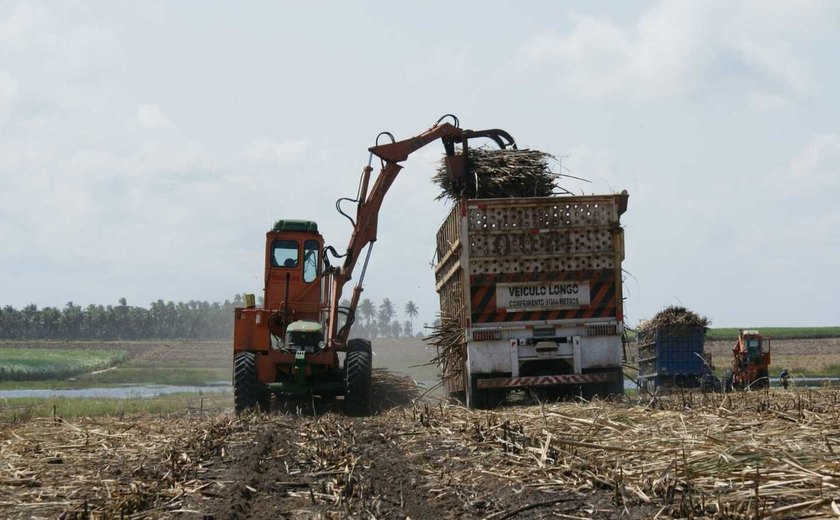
(475, 399)
(485, 398)
(246, 386)
(616, 386)
(357, 368)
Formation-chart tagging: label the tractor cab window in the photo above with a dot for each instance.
(765, 346)
(752, 343)
(284, 253)
(310, 260)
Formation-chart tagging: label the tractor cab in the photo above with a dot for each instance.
(755, 346)
(293, 268)
(751, 361)
(288, 324)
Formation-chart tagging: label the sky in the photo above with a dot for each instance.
(146, 147)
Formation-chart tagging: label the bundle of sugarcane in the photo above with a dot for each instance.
(501, 174)
(447, 337)
(673, 318)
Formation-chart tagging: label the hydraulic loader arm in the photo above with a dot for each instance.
(369, 203)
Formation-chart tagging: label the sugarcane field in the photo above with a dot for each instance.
(441, 260)
(755, 454)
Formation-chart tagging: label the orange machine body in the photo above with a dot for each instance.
(751, 360)
(289, 344)
(294, 290)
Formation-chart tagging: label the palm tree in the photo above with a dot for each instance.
(367, 311)
(411, 310)
(408, 329)
(386, 314)
(396, 329)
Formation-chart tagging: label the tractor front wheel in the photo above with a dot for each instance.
(357, 368)
(246, 386)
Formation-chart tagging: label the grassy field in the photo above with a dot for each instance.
(139, 363)
(28, 364)
(199, 363)
(171, 363)
(165, 363)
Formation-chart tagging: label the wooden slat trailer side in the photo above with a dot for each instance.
(536, 285)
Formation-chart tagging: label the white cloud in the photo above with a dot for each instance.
(8, 89)
(677, 47)
(438, 65)
(152, 117)
(766, 102)
(818, 164)
(21, 19)
(596, 165)
(269, 150)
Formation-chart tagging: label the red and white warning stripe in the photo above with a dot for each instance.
(566, 379)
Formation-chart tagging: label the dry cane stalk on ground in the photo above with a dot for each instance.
(744, 455)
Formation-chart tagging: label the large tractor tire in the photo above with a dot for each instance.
(357, 369)
(247, 391)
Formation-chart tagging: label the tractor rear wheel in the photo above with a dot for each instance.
(246, 386)
(357, 368)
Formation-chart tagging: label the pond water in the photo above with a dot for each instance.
(119, 392)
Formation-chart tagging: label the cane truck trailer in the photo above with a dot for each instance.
(535, 284)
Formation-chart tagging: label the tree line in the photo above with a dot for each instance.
(170, 320)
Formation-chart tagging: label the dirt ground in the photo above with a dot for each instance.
(303, 460)
(759, 454)
(307, 460)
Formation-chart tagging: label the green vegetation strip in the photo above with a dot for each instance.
(731, 333)
(778, 332)
(29, 364)
(158, 376)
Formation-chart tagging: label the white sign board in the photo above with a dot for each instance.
(541, 296)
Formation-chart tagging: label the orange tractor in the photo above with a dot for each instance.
(750, 363)
(291, 344)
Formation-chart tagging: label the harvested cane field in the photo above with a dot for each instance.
(746, 455)
(802, 357)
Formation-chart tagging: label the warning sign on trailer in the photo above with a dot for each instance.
(541, 296)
